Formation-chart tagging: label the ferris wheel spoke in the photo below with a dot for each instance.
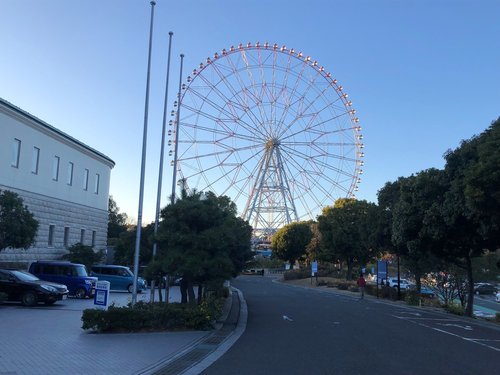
(242, 107)
(319, 176)
(214, 105)
(228, 133)
(320, 162)
(293, 92)
(302, 114)
(254, 93)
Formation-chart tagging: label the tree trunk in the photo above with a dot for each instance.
(160, 295)
(190, 292)
(200, 293)
(183, 288)
(349, 269)
(470, 300)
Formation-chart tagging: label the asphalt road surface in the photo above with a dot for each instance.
(291, 330)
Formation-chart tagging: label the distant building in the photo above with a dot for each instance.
(64, 183)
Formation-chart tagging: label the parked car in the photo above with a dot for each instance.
(119, 277)
(28, 289)
(73, 275)
(485, 288)
(403, 283)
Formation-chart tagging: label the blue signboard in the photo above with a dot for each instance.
(381, 270)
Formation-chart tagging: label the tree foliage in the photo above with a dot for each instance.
(83, 254)
(417, 195)
(290, 242)
(348, 231)
(202, 240)
(117, 221)
(124, 251)
(18, 227)
(467, 223)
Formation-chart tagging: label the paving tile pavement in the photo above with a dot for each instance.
(49, 340)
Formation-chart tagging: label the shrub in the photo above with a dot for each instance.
(153, 317)
(413, 298)
(455, 308)
(297, 274)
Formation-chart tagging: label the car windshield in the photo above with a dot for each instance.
(81, 271)
(24, 276)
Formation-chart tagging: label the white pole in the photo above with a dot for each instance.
(160, 173)
(174, 176)
(143, 163)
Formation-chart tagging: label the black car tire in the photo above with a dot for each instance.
(80, 293)
(29, 299)
(130, 288)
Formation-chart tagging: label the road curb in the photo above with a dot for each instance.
(194, 358)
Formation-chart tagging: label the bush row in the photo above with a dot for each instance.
(153, 317)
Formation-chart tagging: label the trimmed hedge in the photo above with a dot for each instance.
(153, 317)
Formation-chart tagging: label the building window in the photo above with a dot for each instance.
(96, 186)
(93, 238)
(66, 237)
(70, 173)
(55, 168)
(85, 179)
(34, 160)
(82, 236)
(52, 229)
(16, 152)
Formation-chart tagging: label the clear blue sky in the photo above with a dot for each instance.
(422, 74)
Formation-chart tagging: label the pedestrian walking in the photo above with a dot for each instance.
(361, 285)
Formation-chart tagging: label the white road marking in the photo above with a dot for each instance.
(467, 328)
(287, 318)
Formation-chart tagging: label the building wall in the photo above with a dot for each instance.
(57, 195)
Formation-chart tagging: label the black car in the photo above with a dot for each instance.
(28, 289)
(485, 288)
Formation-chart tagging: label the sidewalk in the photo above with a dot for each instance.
(49, 340)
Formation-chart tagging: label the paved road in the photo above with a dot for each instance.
(296, 331)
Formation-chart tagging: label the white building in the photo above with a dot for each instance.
(64, 183)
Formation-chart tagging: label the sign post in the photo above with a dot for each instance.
(314, 271)
(101, 297)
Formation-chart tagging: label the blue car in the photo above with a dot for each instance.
(73, 275)
(119, 277)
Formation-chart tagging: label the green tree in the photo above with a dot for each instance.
(83, 254)
(117, 222)
(290, 242)
(467, 223)
(202, 240)
(124, 251)
(348, 232)
(18, 227)
(417, 195)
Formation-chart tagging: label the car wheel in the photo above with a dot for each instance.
(130, 288)
(28, 299)
(80, 293)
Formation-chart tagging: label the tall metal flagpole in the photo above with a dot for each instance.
(177, 119)
(143, 162)
(160, 173)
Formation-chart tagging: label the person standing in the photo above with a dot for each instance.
(361, 285)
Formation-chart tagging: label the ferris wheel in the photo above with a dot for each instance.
(271, 129)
